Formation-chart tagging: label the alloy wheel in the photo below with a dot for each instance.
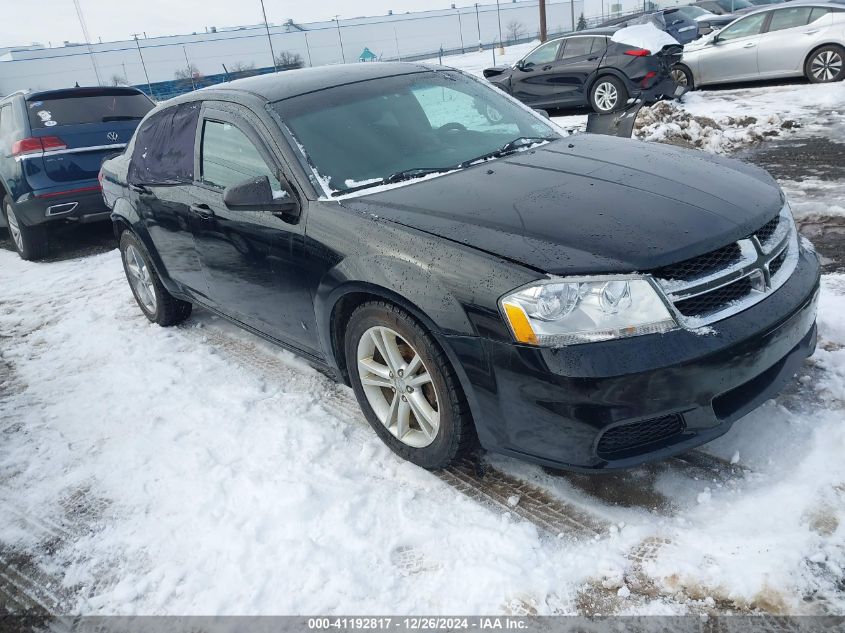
(679, 76)
(826, 65)
(140, 278)
(398, 386)
(14, 227)
(606, 96)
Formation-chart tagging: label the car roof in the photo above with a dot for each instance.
(293, 83)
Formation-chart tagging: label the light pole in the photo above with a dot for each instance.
(340, 38)
(190, 70)
(572, 10)
(543, 35)
(144, 66)
(499, 17)
(308, 49)
(87, 41)
(461, 31)
(269, 39)
(478, 24)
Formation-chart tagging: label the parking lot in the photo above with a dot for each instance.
(191, 470)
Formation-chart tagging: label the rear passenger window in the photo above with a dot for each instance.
(577, 47)
(818, 12)
(599, 44)
(229, 157)
(164, 147)
(789, 18)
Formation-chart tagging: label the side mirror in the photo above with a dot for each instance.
(545, 113)
(256, 194)
(524, 66)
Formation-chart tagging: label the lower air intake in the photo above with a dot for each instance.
(630, 439)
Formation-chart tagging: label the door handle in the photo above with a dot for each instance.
(546, 68)
(811, 32)
(138, 188)
(202, 211)
(750, 45)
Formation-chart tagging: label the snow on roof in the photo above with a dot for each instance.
(645, 36)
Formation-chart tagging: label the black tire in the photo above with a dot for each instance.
(825, 64)
(684, 74)
(31, 241)
(597, 102)
(456, 433)
(167, 310)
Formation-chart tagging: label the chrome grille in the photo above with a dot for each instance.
(730, 279)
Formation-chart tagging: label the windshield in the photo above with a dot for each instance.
(693, 12)
(396, 128)
(734, 5)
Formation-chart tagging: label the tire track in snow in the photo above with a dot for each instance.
(494, 489)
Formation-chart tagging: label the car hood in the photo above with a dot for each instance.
(587, 204)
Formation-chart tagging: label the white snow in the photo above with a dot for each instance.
(645, 36)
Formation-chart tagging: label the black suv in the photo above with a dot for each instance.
(52, 145)
(584, 302)
(589, 69)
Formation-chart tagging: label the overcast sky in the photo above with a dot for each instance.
(27, 21)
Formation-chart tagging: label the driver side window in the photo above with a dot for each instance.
(547, 53)
(229, 157)
(752, 25)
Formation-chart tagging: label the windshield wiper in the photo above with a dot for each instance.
(399, 176)
(508, 148)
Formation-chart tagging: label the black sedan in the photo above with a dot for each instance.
(586, 302)
(589, 69)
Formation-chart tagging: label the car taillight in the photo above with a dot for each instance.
(638, 52)
(27, 146)
(52, 143)
(36, 144)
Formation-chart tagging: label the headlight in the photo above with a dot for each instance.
(567, 311)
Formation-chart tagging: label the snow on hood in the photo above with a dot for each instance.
(645, 36)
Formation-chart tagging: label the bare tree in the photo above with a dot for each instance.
(515, 30)
(241, 67)
(188, 72)
(287, 60)
(119, 80)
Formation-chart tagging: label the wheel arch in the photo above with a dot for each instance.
(815, 49)
(606, 71)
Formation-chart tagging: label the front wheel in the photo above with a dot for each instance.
(826, 65)
(682, 76)
(607, 95)
(29, 241)
(157, 304)
(406, 387)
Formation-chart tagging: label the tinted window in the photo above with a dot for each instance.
(48, 111)
(543, 55)
(577, 46)
(752, 25)
(7, 121)
(164, 147)
(789, 18)
(359, 133)
(818, 12)
(229, 157)
(599, 44)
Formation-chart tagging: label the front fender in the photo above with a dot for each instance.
(403, 282)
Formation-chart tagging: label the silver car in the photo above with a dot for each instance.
(785, 40)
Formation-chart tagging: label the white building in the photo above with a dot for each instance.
(390, 36)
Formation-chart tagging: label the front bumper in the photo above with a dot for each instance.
(81, 204)
(620, 403)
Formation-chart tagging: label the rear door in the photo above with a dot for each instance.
(255, 262)
(732, 56)
(80, 129)
(793, 32)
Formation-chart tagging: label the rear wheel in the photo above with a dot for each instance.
(825, 65)
(29, 241)
(608, 94)
(157, 304)
(406, 386)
